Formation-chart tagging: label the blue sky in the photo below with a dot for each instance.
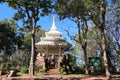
(45, 22)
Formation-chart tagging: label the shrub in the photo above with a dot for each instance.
(2, 67)
(42, 70)
(61, 70)
(24, 69)
(7, 66)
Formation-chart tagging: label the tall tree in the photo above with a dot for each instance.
(29, 11)
(113, 24)
(21, 55)
(103, 42)
(97, 14)
(76, 12)
(95, 10)
(8, 36)
(113, 27)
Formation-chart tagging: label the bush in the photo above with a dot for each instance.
(2, 67)
(24, 69)
(42, 70)
(61, 70)
(7, 66)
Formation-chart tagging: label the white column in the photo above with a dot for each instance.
(59, 56)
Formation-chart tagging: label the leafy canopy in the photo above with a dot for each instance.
(30, 10)
(8, 36)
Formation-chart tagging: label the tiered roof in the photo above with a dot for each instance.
(53, 38)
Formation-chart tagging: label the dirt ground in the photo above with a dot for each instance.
(63, 77)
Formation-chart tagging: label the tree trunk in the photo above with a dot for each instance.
(85, 58)
(86, 63)
(31, 66)
(105, 60)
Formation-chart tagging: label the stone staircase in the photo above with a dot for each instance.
(53, 71)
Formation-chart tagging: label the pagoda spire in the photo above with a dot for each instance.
(53, 25)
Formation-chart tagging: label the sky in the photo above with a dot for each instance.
(45, 22)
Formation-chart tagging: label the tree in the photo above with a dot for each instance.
(98, 18)
(113, 24)
(27, 36)
(28, 11)
(76, 11)
(103, 43)
(94, 10)
(113, 30)
(21, 56)
(1, 1)
(8, 36)
(97, 13)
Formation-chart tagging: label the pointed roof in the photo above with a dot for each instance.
(53, 25)
(53, 30)
(53, 38)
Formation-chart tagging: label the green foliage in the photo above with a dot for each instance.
(2, 67)
(1, 1)
(5, 66)
(39, 33)
(27, 41)
(90, 3)
(3, 59)
(27, 37)
(8, 66)
(13, 62)
(24, 69)
(42, 70)
(70, 9)
(30, 10)
(8, 36)
(61, 70)
(72, 60)
(7, 39)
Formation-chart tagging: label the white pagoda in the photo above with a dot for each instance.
(53, 43)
